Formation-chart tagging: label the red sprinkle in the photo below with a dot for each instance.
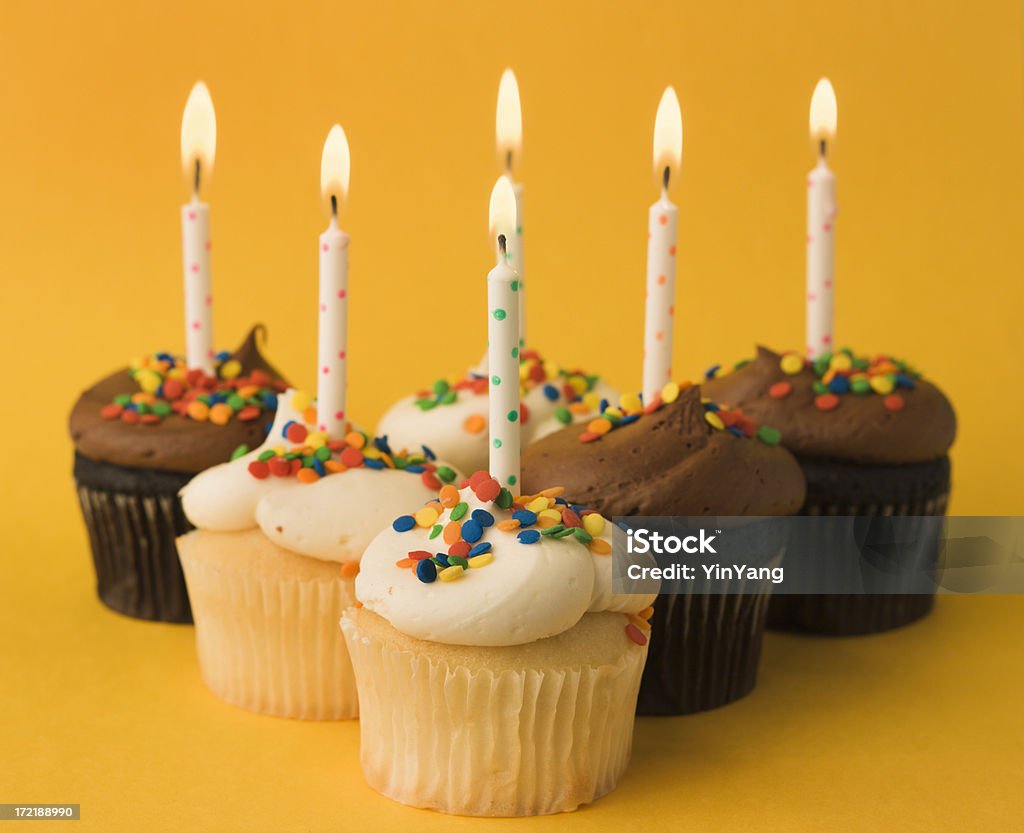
(476, 478)
(653, 405)
(296, 433)
(826, 402)
(249, 413)
(173, 389)
(459, 548)
(111, 411)
(131, 417)
(149, 419)
(419, 555)
(488, 490)
(430, 480)
(279, 466)
(524, 413)
(352, 457)
(570, 518)
(589, 437)
(259, 469)
(780, 390)
(637, 635)
(894, 402)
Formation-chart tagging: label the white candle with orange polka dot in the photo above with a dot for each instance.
(821, 216)
(503, 343)
(662, 239)
(198, 143)
(332, 340)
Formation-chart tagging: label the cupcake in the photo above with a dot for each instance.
(450, 418)
(872, 437)
(271, 564)
(141, 434)
(683, 456)
(497, 671)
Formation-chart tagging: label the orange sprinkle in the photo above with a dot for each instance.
(452, 532)
(248, 390)
(406, 562)
(307, 476)
(643, 624)
(508, 525)
(600, 547)
(309, 415)
(579, 408)
(198, 410)
(448, 496)
(599, 426)
(646, 613)
(349, 569)
(335, 466)
(355, 439)
(554, 491)
(358, 604)
(220, 414)
(544, 523)
(474, 424)
(387, 460)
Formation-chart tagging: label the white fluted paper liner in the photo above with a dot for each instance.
(266, 626)
(465, 738)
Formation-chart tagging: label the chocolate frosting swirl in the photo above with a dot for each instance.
(177, 443)
(860, 430)
(671, 462)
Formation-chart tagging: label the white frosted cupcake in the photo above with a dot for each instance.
(272, 563)
(500, 677)
(450, 416)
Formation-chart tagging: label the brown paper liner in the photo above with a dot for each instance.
(466, 739)
(267, 626)
(133, 518)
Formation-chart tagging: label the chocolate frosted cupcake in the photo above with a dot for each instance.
(682, 456)
(141, 434)
(872, 437)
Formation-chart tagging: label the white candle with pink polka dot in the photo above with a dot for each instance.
(821, 217)
(662, 239)
(332, 352)
(198, 143)
(503, 344)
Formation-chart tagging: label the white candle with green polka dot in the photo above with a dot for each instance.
(509, 139)
(503, 345)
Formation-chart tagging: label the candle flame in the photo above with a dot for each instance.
(334, 165)
(502, 211)
(823, 111)
(509, 116)
(198, 132)
(668, 132)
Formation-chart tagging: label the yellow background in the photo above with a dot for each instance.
(919, 726)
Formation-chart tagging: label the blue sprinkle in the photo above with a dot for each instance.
(403, 523)
(603, 406)
(626, 420)
(712, 371)
(732, 429)
(426, 571)
(381, 444)
(223, 356)
(561, 501)
(525, 517)
(711, 406)
(165, 357)
(268, 427)
(528, 536)
(577, 508)
(471, 531)
(839, 384)
(415, 469)
(428, 452)
(218, 396)
(318, 467)
(483, 517)
(551, 392)
(373, 464)
(287, 425)
(440, 559)
(904, 381)
(270, 400)
(480, 549)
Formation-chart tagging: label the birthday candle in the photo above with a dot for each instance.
(821, 218)
(509, 137)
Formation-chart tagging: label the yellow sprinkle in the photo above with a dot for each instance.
(231, 369)
(840, 361)
(452, 573)
(882, 385)
(372, 452)
(630, 402)
(481, 560)
(592, 401)
(538, 504)
(858, 377)
(178, 373)
(616, 412)
(144, 398)
(551, 370)
(670, 393)
(594, 524)
(301, 400)
(714, 420)
(544, 521)
(148, 380)
(316, 439)
(425, 516)
(279, 450)
(554, 514)
(791, 364)
(578, 385)
(524, 370)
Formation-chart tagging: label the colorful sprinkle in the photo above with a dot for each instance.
(403, 523)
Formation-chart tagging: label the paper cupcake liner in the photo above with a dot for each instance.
(865, 613)
(479, 743)
(269, 642)
(133, 519)
(705, 648)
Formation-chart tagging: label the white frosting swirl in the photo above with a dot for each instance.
(333, 519)
(527, 592)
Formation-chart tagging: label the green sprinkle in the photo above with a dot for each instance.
(267, 455)
(459, 510)
(552, 530)
(123, 399)
(819, 387)
(582, 535)
(162, 408)
(426, 404)
(499, 315)
(434, 532)
(236, 402)
(440, 386)
(323, 454)
(449, 397)
(445, 474)
(458, 559)
(563, 416)
(142, 408)
(307, 461)
(292, 455)
(769, 435)
(241, 451)
(860, 386)
(504, 499)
